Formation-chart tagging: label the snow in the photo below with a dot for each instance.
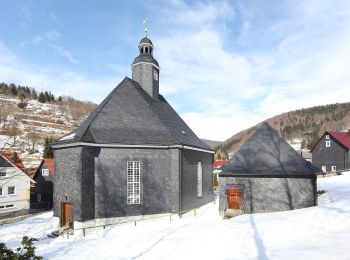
(321, 232)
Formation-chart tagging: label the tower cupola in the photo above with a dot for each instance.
(145, 69)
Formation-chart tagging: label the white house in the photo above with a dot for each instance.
(14, 189)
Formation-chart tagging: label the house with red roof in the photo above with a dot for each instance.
(14, 159)
(331, 152)
(41, 194)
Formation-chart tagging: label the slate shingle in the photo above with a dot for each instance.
(267, 153)
(128, 115)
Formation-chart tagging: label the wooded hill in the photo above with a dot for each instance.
(302, 126)
(28, 118)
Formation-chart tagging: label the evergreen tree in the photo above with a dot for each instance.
(41, 97)
(46, 96)
(48, 151)
(59, 99)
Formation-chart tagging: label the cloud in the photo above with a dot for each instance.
(63, 53)
(13, 70)
(284, 58)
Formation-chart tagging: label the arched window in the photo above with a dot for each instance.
(146, 49)
(150, 48)
(141, 50)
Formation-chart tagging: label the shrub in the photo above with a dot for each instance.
(26, 251)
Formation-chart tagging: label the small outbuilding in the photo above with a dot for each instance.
(41, 193)
(265, 175)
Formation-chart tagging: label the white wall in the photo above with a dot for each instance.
(20, 200)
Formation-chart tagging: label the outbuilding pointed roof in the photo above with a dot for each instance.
(267, 153)
(129, 116)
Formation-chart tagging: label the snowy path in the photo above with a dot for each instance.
(321, 232)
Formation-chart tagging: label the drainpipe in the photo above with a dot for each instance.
(180, 180)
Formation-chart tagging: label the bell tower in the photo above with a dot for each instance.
(145, 69)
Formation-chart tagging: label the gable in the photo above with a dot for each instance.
(267, 153)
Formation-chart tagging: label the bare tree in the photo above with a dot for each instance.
(33, 136)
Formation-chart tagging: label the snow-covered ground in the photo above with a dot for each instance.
(321, 232)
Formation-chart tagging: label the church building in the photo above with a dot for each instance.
(132, 158)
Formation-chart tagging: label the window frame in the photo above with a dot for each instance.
(324, 168)
(334, 168)
(45, 172)
(3, 174)
(327, 137)
(328, 143)
(133, 182)
(199, 180)
(8, 190)
(1, 191)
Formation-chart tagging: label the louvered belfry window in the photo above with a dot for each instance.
(133, 182)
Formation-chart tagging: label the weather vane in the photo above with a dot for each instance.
(145, 22)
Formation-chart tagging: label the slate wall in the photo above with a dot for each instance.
(271, 194)
(335, 155)
(68, 180)
(143, 74)
(189, 198)
(159, 182)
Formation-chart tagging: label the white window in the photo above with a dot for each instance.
(324, 168)
(11, 190)
(45, 172)
(2, 174)
(334, 168)
(327, 136)
(199, 179)
(328, 143)
(133, 182)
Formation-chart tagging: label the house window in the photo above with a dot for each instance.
(328, 143)
(45, 172)
(199, 179)
(9, 206)
(334, 168)
(11, 190)
(327, 136)
(324, 168)
(0, 191)
(133, 182)
(1, 207)
(39, 197)
(2, 174)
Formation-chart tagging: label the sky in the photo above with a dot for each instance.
(225, 65)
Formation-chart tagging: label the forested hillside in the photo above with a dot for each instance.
(301, 128)
(28, 118)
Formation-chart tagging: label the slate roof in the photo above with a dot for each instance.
(146, 57)
(129, 116)
(4, 162)
(343, 138)
(266, 153)
(146, 40)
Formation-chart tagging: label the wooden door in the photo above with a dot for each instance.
(66, 214)
(234, 198)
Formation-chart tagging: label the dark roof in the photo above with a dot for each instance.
(4, 162)
(343, 138)
(266, 153)
(128, 115)
(146, 40)
(146, 57)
